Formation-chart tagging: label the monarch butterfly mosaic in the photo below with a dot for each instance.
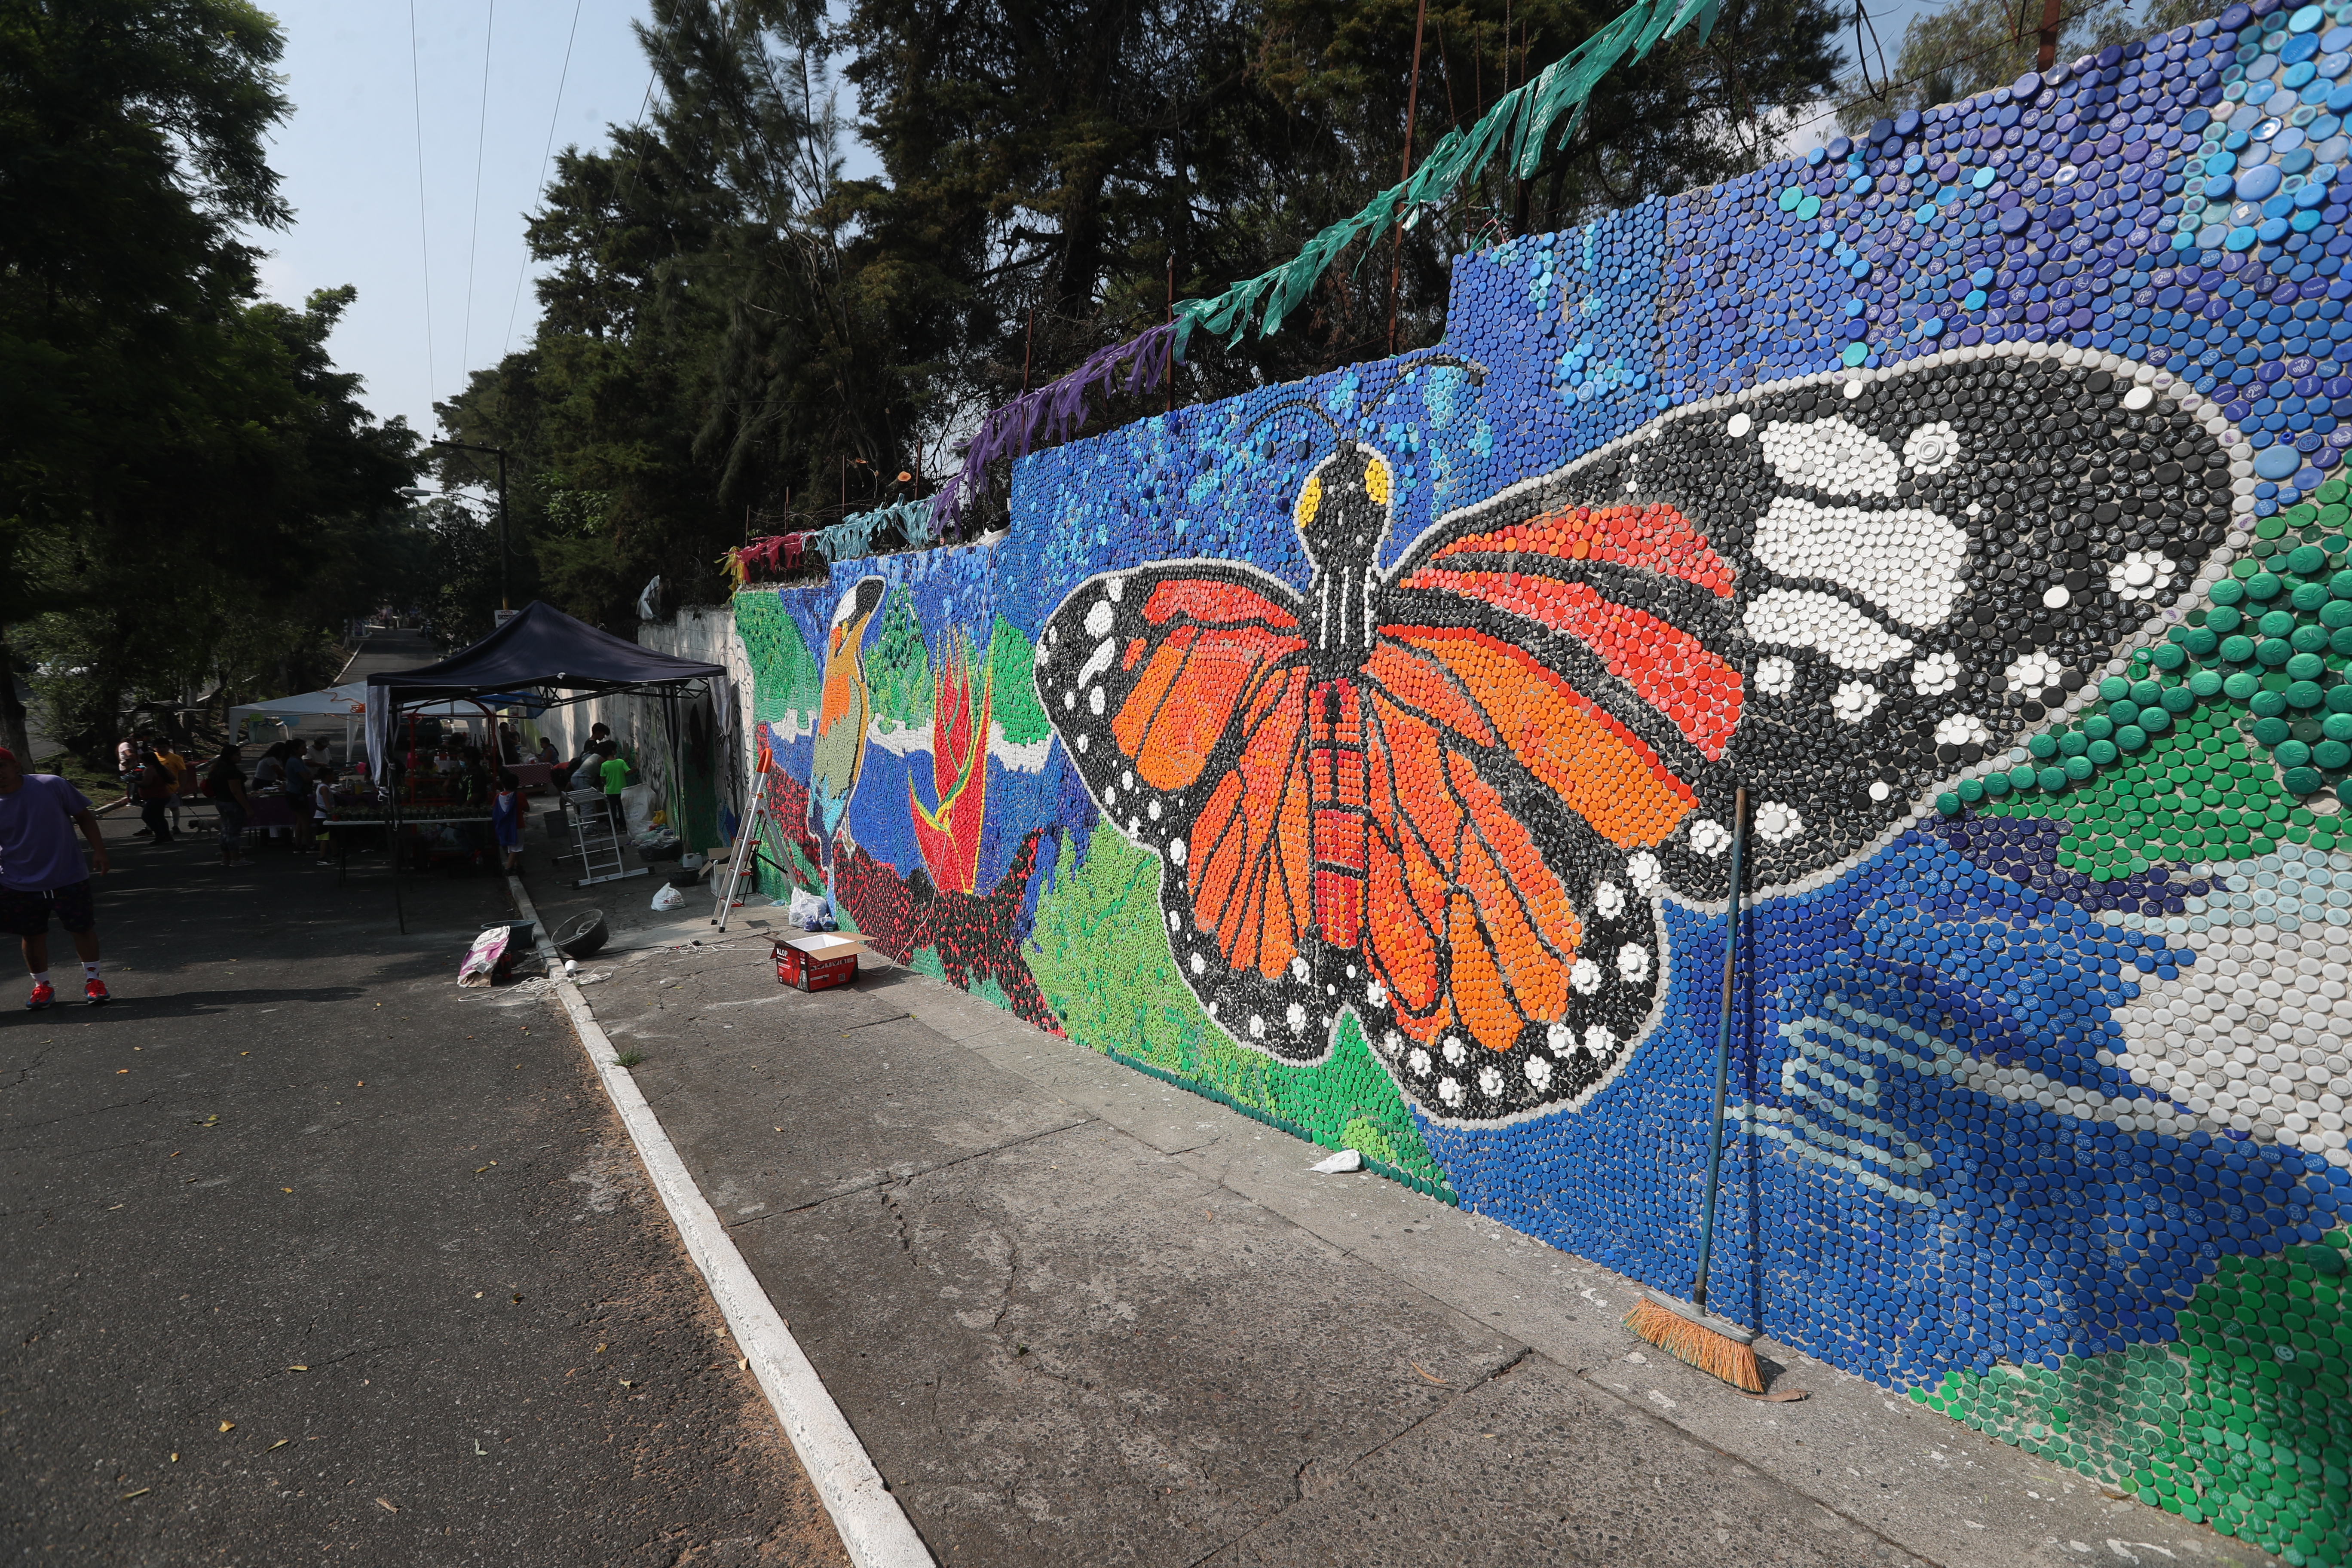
(1448, 794)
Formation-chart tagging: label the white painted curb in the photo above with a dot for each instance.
(873, 1527)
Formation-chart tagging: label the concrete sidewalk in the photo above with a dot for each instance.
(1079, 1316)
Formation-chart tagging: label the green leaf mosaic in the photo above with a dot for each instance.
(899, 666)
(1011, 659)
(2244, 1424)
(2204, 748)
(786, 680)
(1100, 960)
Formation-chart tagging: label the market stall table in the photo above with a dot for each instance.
(338, 828)
(267, 811)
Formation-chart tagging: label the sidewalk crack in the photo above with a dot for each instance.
(891, 1179)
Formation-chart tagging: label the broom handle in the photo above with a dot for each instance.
(1722, 1050)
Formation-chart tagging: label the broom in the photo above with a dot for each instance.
(1688, 1331)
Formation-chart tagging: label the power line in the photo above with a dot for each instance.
(481, 136)
(424, 239)
(555, 115)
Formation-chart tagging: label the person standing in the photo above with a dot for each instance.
(322, 805)
(168, 753)
(298, 794)
(224, 783)
(126, 767)
(591, 756)
(42, 874)
(615, 774)
(153, 782)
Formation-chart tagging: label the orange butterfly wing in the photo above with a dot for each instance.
(1180, 693)
(1469, 927)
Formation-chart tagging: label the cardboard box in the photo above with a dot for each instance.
(818, 961)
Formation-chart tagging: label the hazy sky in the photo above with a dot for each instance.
(348, 157)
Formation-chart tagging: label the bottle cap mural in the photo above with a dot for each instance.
(1359, 753)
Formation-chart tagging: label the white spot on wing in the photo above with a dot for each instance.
(1796, 618)
(1833, 455)
(1906, 561)
(1098, 662)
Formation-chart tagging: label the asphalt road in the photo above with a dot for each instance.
(313, 1257)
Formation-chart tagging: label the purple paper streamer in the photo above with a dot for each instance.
(1049, 414)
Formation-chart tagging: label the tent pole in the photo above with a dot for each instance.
(392, 851)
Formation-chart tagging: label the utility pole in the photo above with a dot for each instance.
(2048, 54)
(1172, 321)
(1411, 103)
(505, 603)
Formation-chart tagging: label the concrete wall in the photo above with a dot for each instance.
(1361, 753)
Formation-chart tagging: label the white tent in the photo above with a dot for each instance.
(348, 703)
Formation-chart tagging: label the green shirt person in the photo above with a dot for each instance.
(615, 774)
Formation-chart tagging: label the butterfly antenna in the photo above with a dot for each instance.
(1477, 373)
(1289, 403)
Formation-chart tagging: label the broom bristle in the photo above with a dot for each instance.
(1702, 1347)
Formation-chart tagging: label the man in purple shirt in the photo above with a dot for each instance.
(42, 874)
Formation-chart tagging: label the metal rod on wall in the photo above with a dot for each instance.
(1172, 321)
(1411, 104)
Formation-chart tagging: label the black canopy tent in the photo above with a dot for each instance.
(541, 648)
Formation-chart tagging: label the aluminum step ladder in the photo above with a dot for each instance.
(597, 841)
(743, 865)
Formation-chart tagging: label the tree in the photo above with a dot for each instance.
(1973, 46)
(177, 461)
(735, 337)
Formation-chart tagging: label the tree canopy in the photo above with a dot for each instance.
(190, 492)
(736, 339)
(1972, 45)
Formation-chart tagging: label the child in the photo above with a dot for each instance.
(322, 800)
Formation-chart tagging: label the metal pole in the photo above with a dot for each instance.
(2047, 55)
(391, 838)
(506, 601)
(1722, 1049)
(1411, 104)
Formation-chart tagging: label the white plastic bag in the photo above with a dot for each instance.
(668, 899)
(807, 909)
(638, 807)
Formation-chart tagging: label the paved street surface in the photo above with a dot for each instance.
(368, 1254)
(312, 1256)
(1080, 1317)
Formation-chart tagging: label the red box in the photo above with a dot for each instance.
(818, 961)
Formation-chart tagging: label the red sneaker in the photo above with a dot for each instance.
(94, 993)
(44, 995)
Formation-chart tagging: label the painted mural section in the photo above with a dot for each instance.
(1362, 752)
